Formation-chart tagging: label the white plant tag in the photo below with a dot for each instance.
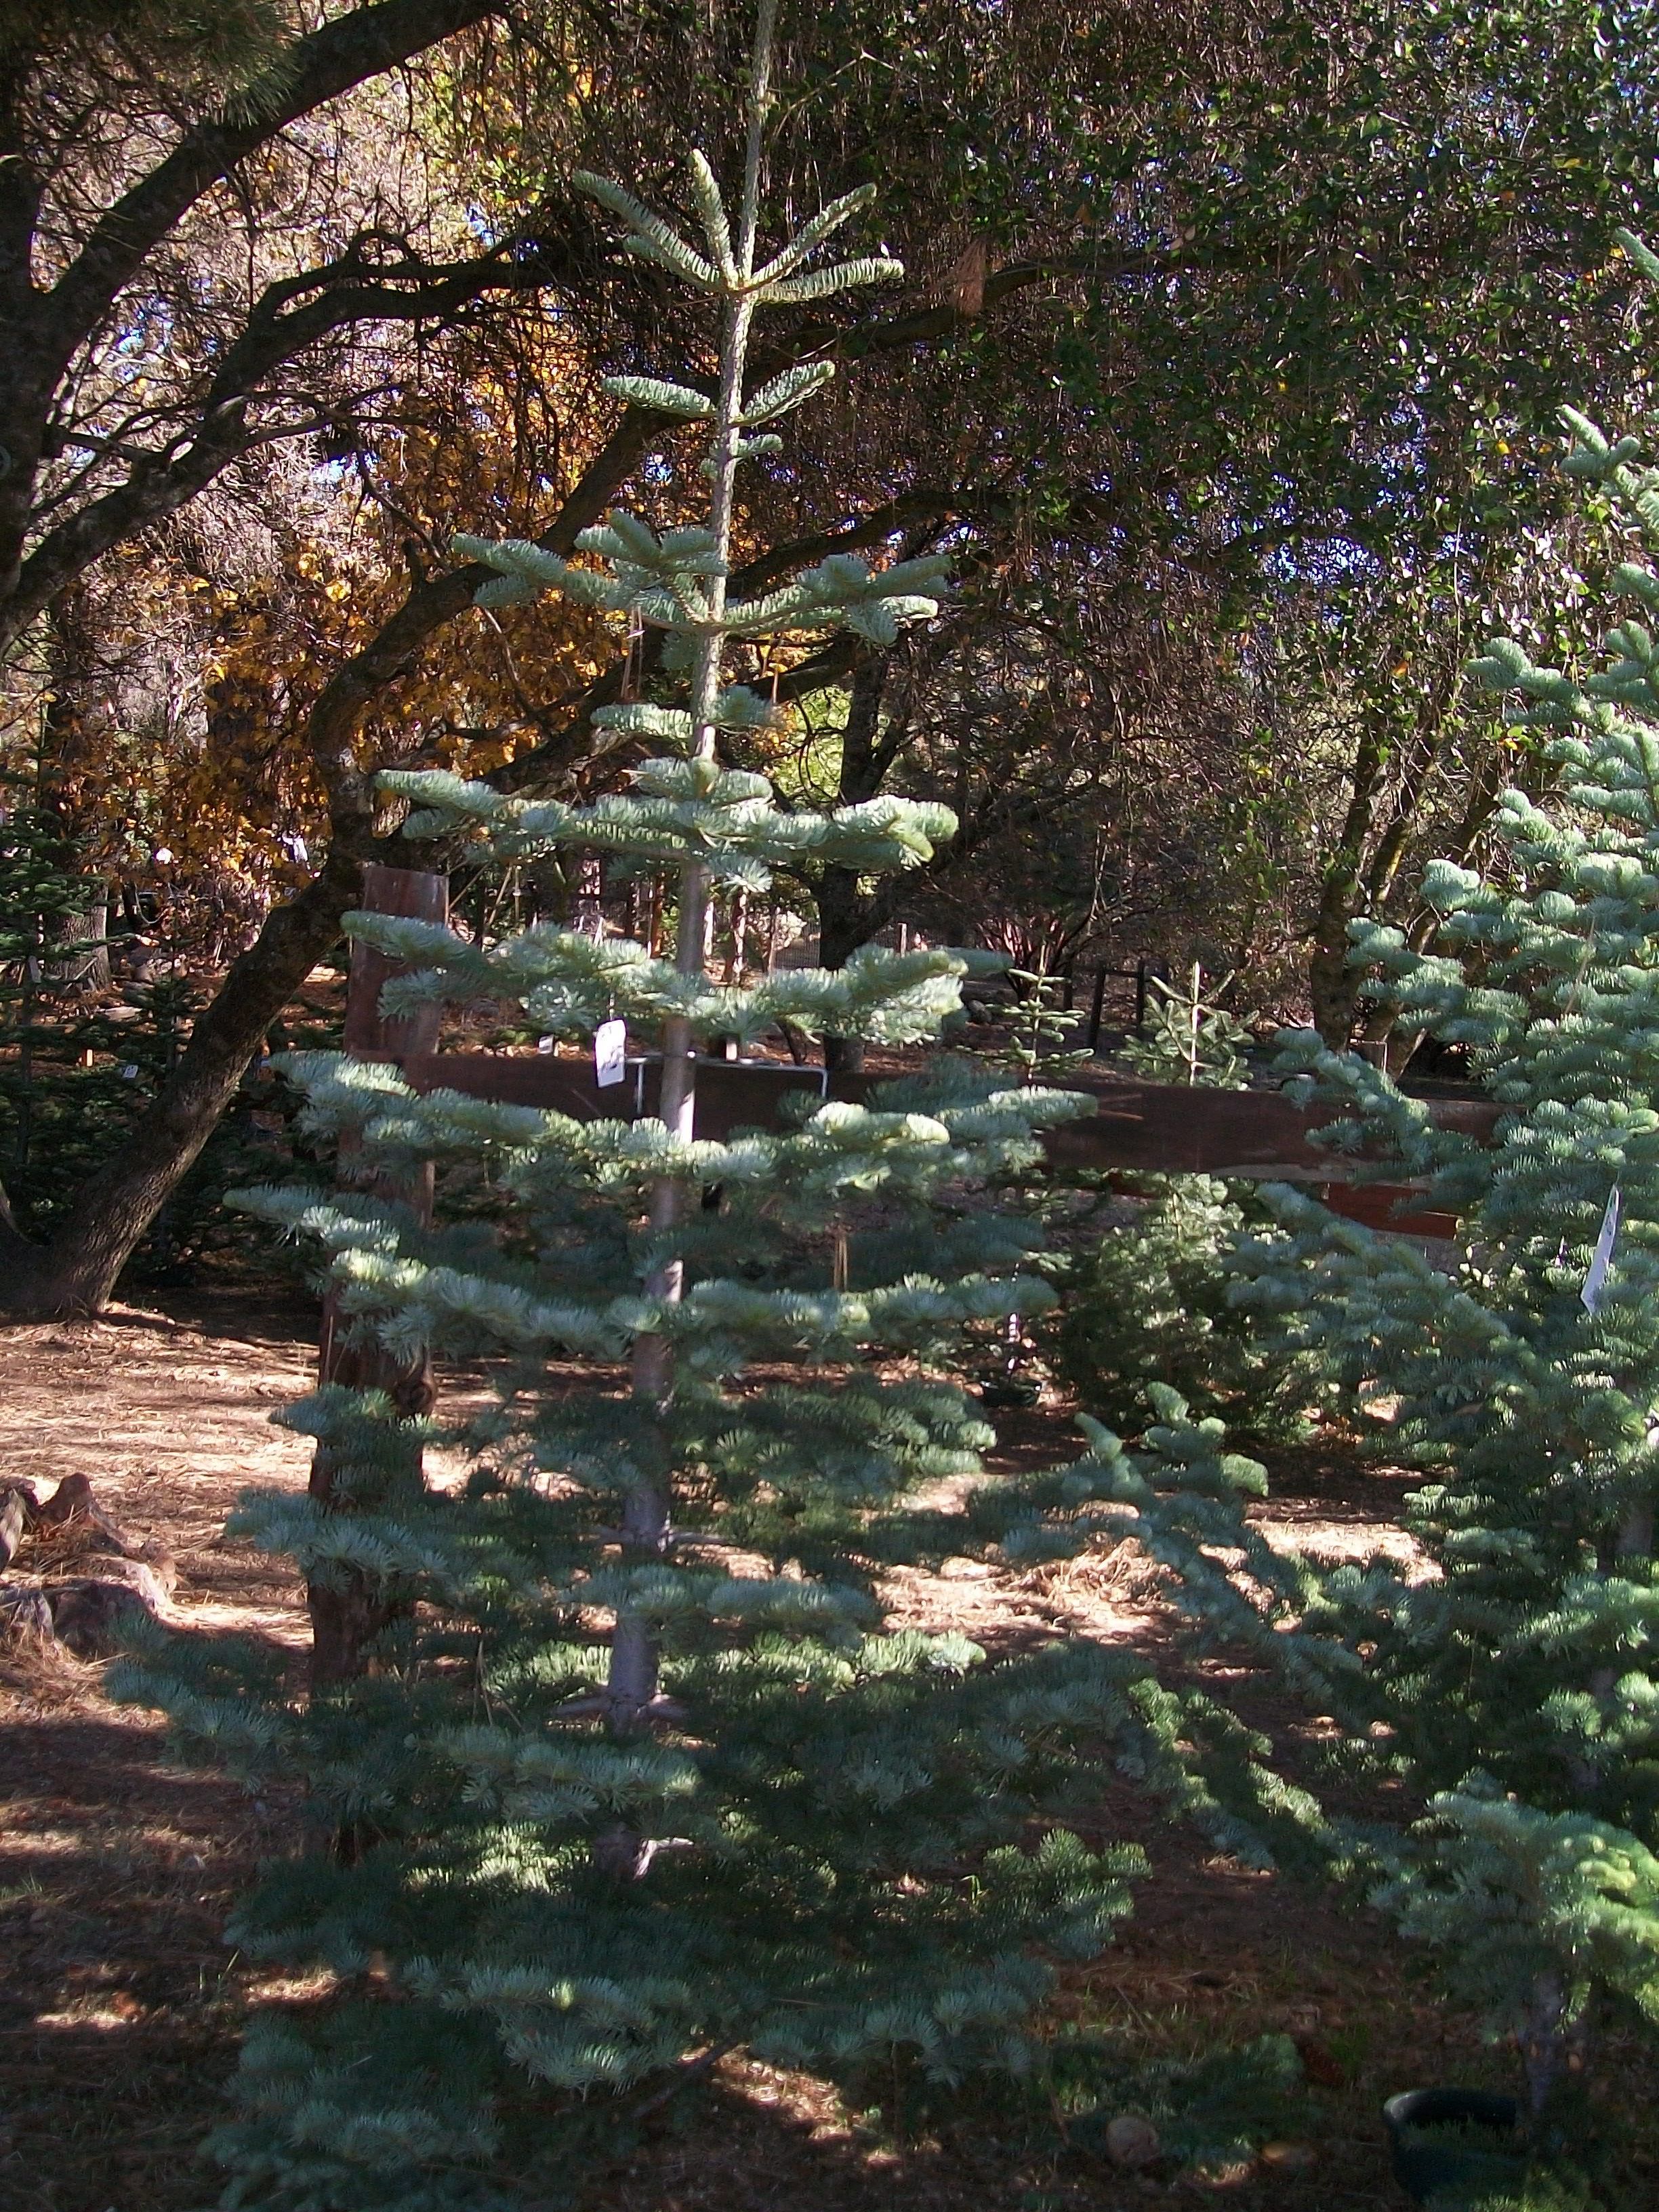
(609, 1053)
(1602, 1258)
(545, 1044)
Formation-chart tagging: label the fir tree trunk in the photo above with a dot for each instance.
(350, 1614)
(631, 1687)
(844, 925)
(739, 928)
(1554, 2041)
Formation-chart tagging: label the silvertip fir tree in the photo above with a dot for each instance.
(642, 1775)
(1514, 1683)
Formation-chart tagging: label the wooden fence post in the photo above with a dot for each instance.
(1097, 1008)
(346, 1613)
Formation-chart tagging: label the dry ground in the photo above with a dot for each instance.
(119, 2002)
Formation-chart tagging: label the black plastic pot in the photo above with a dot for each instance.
(1000, 1394)
(1454, 2145)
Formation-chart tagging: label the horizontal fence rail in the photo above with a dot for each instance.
(1140, 1129)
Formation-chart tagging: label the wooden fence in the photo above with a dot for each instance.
(1136, 1129)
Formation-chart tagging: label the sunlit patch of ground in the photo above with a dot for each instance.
(120, 2001)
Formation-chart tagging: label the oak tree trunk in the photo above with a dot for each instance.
(77, 1271)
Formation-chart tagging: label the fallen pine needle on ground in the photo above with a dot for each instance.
(120, 2004)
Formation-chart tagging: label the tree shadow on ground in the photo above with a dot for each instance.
(118, 1999)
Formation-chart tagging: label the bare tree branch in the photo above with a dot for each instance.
(347, 51)
(159, 485)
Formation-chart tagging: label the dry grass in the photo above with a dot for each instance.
(1118, 1577)
(44, 1676)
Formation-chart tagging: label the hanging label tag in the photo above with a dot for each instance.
(1602, 1258)
(609, 1053)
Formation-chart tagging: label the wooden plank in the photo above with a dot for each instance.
(1148, 1128)
(557, 1086)
(1387, 1205)
(731, 1094)
(1156, 1128)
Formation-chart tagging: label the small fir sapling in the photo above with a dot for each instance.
(1191, 1040)
(1040, 1029)
(644, 1772)
(1036, 1048)
(1147, 1299)
(1511, 1681)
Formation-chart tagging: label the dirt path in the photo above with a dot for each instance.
(118, 1997)
(168, 1414)
(119, 2002)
